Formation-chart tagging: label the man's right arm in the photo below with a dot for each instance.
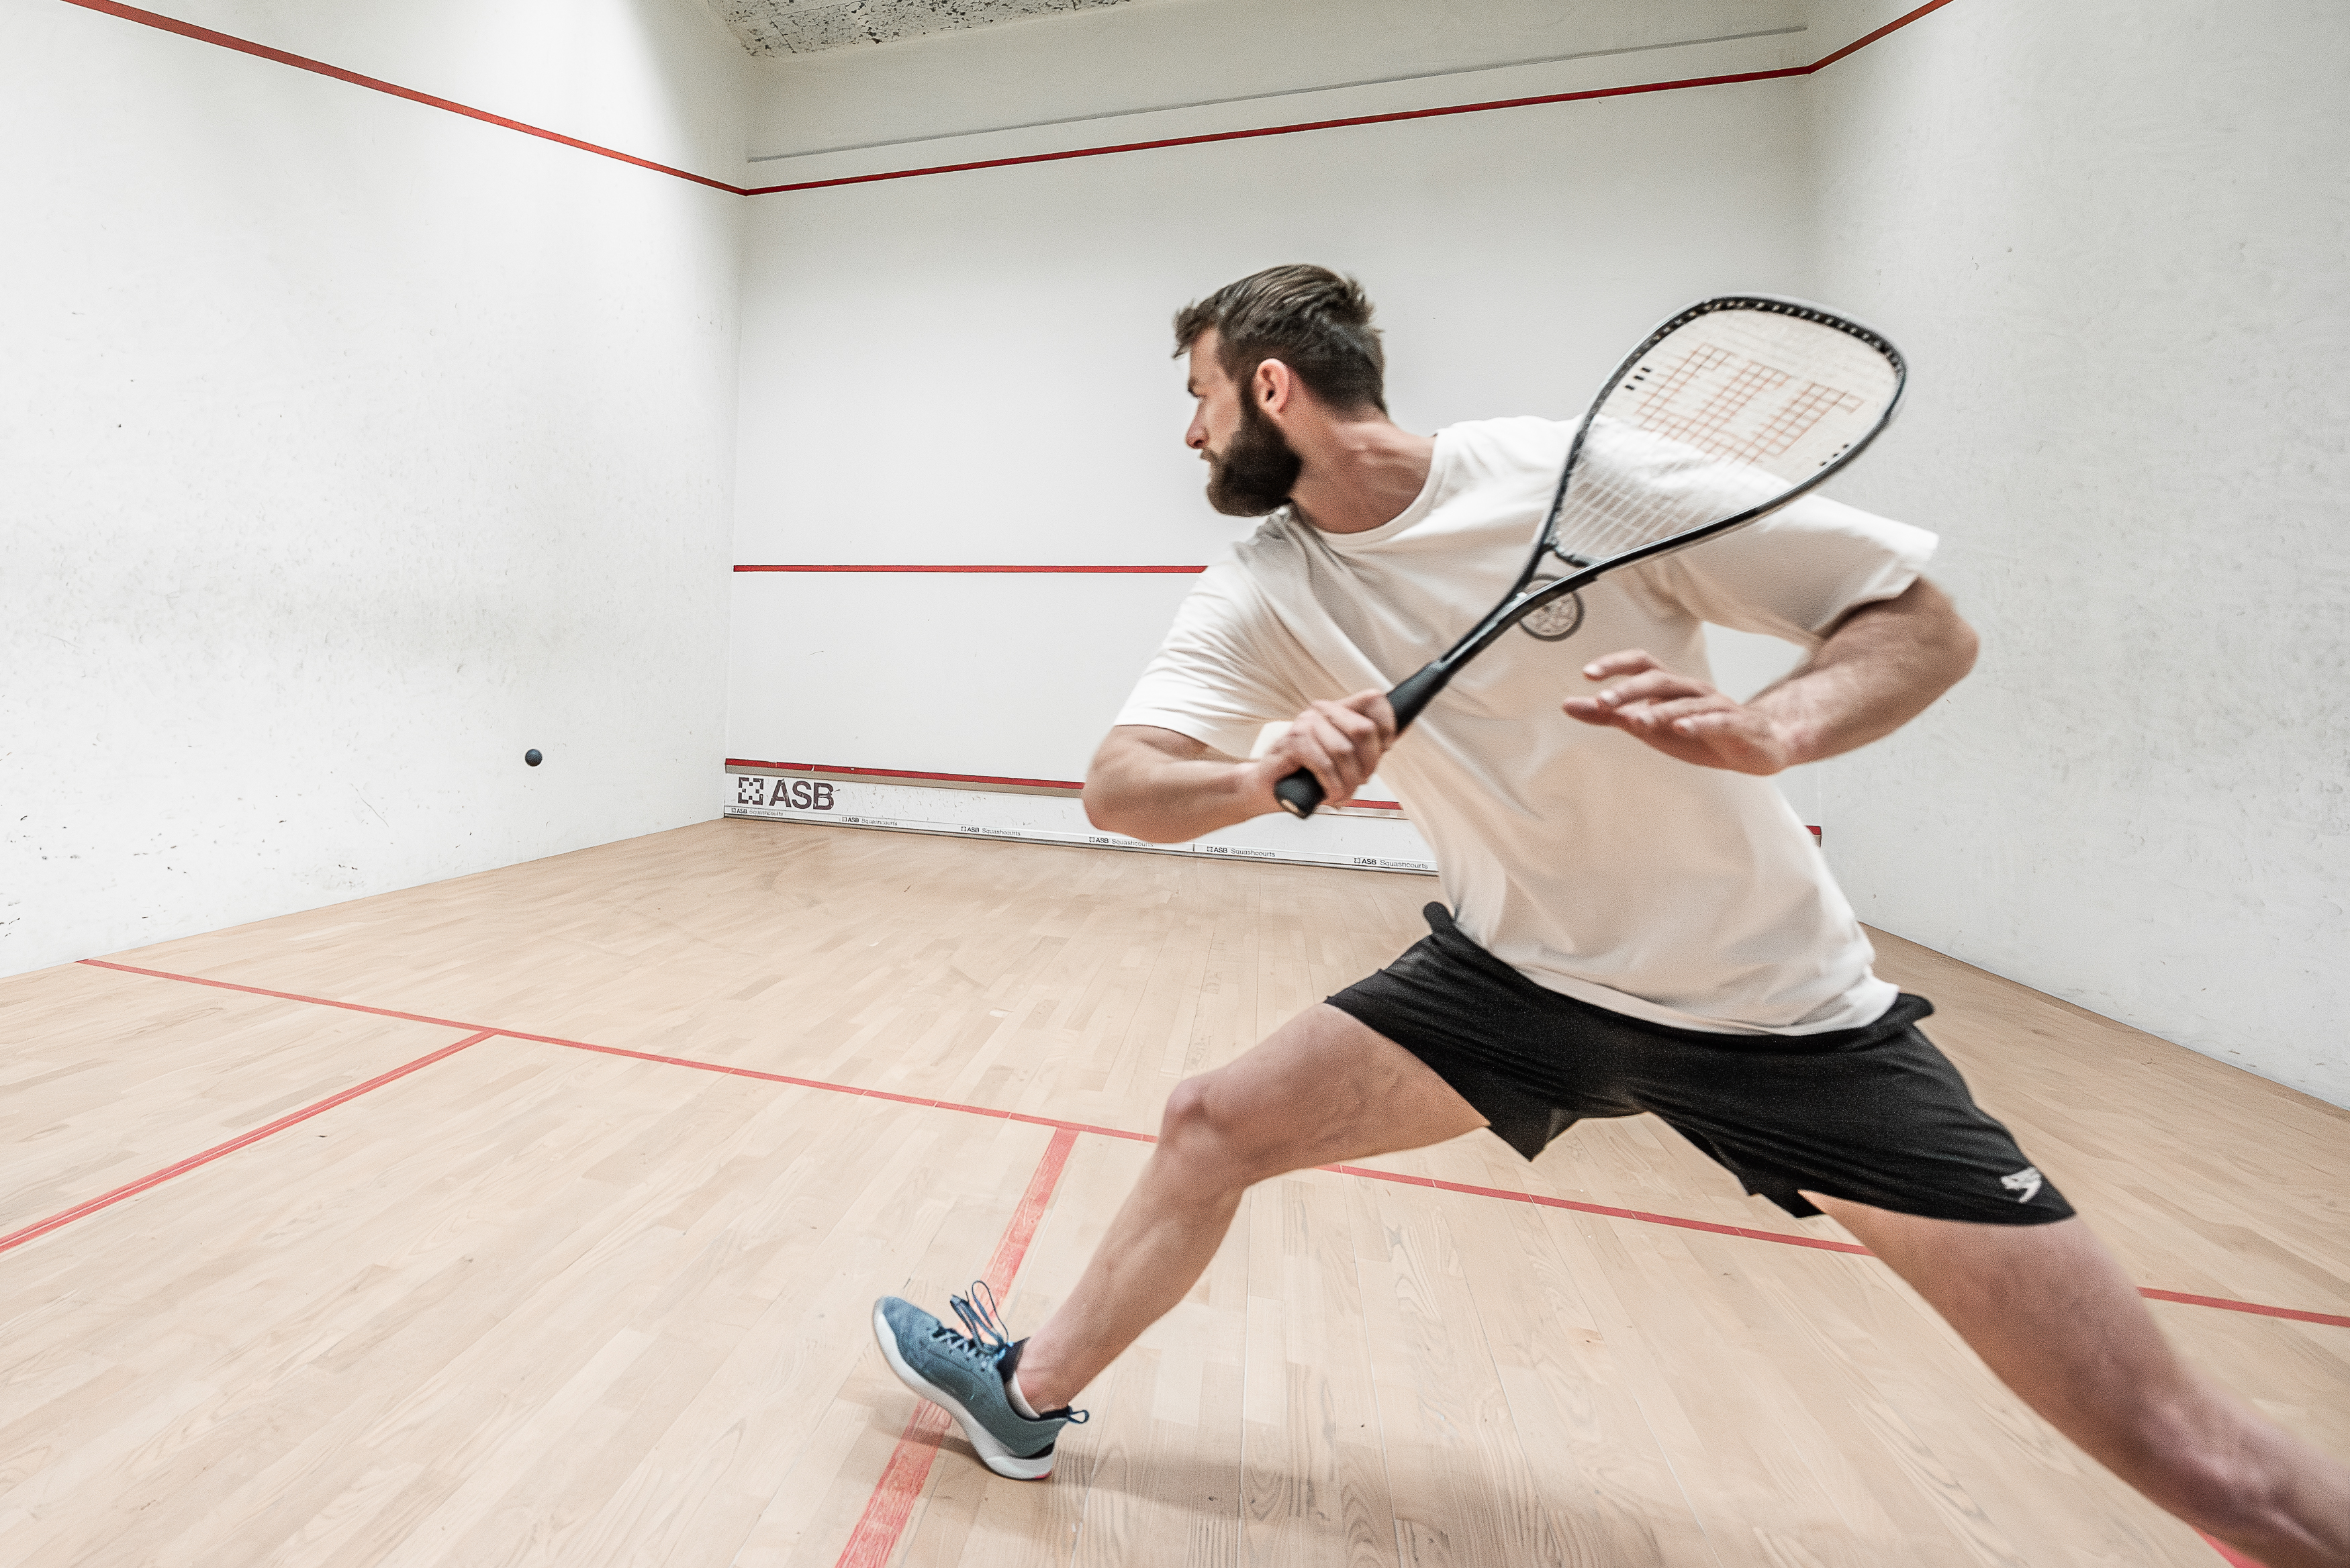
(1164, 787)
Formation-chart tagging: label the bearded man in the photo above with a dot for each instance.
(1636, 921)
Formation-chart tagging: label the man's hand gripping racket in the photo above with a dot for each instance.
(1729, 411)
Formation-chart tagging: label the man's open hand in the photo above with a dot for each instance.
(1681, 717)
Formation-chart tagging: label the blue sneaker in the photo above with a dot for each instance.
(965, 1374)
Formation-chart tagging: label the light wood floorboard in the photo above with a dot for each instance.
(97, 1089)
(536, 1304)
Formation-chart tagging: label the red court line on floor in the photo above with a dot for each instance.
(287, 995)
(1012, 1250)
(132, 1190)
(2226, 1304)
(373, 84)
(1113, 570)
(901, 1487)
(1070, 1128)
(2223, 1303)
(698, 1066)
(1642, 1215)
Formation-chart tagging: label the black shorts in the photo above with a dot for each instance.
(1875, 1115)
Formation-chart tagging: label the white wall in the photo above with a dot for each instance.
(974, 367)
(351, 447)
(2112, 237)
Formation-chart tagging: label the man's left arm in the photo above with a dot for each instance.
(1876, 671)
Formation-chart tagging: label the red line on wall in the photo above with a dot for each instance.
(1485, 108)
(739, 763)
(1643, 1216)
(875, 1537)
(1214, 136)
(1114, 570)
(1895, 26)
(373, 84)
(132, 1190)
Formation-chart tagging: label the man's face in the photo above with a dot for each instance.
(1250, 469)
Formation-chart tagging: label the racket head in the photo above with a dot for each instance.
(1726, 412)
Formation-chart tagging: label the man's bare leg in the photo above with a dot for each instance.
(2051, 1312)
(1320, 1089)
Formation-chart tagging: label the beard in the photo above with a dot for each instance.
(1255, 471)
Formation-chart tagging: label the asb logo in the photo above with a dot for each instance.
(788, 794)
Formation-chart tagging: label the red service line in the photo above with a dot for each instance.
(1112, 570)
(1641, 1216)
(132, 1190)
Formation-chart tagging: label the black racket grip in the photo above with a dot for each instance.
(1300, 794)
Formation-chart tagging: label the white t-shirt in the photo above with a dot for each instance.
(1590, 862)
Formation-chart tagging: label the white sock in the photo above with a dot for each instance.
(1019, 1400)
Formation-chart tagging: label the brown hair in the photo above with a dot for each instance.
(1310, 318)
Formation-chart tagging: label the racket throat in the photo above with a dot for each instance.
(1415, 691)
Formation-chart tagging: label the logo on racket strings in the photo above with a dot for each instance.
(1729, 406)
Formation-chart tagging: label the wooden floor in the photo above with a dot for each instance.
(527, 1301)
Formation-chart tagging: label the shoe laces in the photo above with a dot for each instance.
(985, 1339)
(982, 1325)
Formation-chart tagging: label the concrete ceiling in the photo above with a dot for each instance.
(807, 26)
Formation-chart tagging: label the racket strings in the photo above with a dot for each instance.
(1793, 420)
(1744, 409)
(1703, 428)
(1614, 507)
(1653, 408)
